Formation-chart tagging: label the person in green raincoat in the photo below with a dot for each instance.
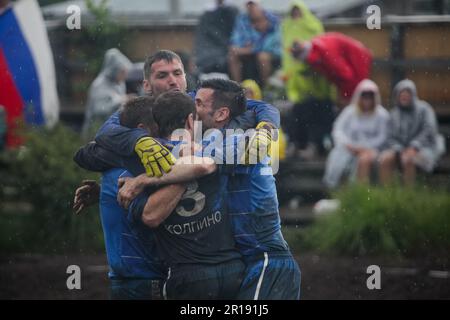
(305, 88)
(301, 81)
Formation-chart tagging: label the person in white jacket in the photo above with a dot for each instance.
(360, 133)
(108, 91)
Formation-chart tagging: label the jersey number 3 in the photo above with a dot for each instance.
(198, 197)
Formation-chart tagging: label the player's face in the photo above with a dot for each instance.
(166, 76)
(204, 107)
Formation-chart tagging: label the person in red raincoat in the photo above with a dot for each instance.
(344, 61)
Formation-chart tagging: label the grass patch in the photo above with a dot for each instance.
(382, 221)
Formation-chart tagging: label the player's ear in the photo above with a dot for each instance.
(148, 129)
(146, 86)
(190, 122)
(222, 114)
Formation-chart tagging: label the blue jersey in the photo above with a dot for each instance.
(130, 247)
(253, 207)
(251, 200)
(121, 140)
(198, 231)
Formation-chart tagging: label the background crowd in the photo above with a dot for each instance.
(333, 109)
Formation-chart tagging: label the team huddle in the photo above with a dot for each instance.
(179, 222)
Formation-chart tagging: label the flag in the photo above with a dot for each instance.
(27, 72)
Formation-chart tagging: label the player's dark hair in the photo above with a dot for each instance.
(227, 93)
(171, 111)
(165, 55)
(136, 111)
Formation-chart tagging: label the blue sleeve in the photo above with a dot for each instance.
(257, 111)
(137, 206)
(264, 112)
(117, 138)
(93, 157)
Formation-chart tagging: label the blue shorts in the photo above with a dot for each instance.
(205, 282)
(271, 276)
(136, 289)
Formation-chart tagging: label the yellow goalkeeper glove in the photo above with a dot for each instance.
(260, 143)
(154, 156)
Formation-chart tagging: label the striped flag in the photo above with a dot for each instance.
(27, 72)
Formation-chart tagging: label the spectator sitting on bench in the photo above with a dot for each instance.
(360, 133)
(414, 141)
(255, 38)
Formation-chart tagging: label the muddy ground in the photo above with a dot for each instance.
(323, 277)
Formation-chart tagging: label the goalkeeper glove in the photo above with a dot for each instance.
(259, 145)
(154, 156)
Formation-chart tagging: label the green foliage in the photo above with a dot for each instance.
(101, 34)
(42, 178)
(375, 220)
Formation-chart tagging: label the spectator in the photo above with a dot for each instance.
(414, 140)
(360, 133)
(255, 38)
(310, 92)
(212, 38)
(344, 61)
(300, 25)
(108, 92)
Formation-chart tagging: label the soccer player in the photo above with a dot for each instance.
(136, 272)
(193, 231)
(164, 72)
(271, 271)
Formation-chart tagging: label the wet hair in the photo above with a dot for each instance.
(171, 111)
(227, 93)
(136, 111)
(165, 55)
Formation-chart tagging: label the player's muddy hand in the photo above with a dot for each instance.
(130, 188)
(86, 195)
(259, 145)
(154, 156)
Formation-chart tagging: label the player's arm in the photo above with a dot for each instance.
(186, 169)
(127, 141)
(267, 119)
(265, 113)
(154, 209)
(117, 138)
(257, 112)
(93, 157)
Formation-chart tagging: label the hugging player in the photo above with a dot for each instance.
(265, 251)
